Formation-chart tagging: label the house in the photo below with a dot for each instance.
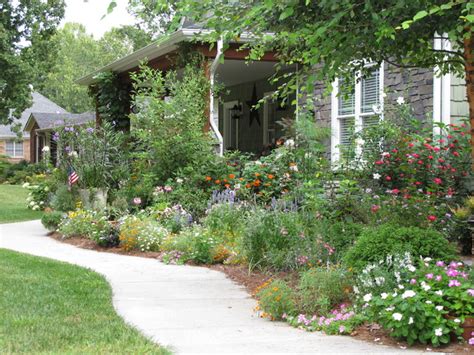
(17, 149)
(237, 126)
(40, 127)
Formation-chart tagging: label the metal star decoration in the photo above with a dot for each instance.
(253, 111)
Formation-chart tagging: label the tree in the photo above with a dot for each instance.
(23, 23)
(78, 54)
(340, 36)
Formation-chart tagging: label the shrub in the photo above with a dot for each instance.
(277, 299)
(64, 199)
(52, 220)
(106, 235)
(321, 289)
(226, 220)
(377, 243)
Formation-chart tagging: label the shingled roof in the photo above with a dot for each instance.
(47, 121)
(40, 104)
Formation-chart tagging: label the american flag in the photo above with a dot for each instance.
(72, 176)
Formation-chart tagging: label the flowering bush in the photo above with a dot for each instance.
(141, 233)
(276, 299)
(38, 197)
(427, 305)
(79, 223)
(52, 220)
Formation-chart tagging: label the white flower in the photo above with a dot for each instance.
(179, 180)
(397, 316)
(411, 268)
(410, 320)
(439, 293)
(290, 143)
(428, 302)
(379, 280)
(389, 309)
(457, 320)
(356, 290)
(294, 167)
(73, 154)
(368, 297)
(384, 94)
(427, 260)
(258, 162)
(400, 100)
(32, 203)
(25, 185)
(46, 189)
(426, 287)
(45, 149)
(377, 176)
(408, 294)
(394, 294)
(438, 332)
(384, 295)
(439, 308)
(401, 287)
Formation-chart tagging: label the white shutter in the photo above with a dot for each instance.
(370, 92)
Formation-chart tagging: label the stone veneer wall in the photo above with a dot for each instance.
(415, 85)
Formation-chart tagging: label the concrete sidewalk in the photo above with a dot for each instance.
(188, 309)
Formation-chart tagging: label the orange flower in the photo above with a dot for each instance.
(247, 186)
(241, 179)
(257, 174)
(217, 181)
(257, 183)
(231, 176)
(227, 185)
(208, 178)
(270, 176)
(225, 180)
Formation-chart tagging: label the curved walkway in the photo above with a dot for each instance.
(188, 309)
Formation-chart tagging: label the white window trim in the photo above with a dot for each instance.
(15, 144)
(441, 90)
(358, 115)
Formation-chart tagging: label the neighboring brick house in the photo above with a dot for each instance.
(11, 146)
(245, 82)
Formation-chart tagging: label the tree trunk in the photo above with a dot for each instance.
(469, 67)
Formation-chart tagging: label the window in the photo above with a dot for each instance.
(14, 149)
(355, 111)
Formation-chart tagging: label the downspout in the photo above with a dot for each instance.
(212, 112)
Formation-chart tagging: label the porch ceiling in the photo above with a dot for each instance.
(234, 72)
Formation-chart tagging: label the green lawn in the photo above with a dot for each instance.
(57, 308)
(13, 205)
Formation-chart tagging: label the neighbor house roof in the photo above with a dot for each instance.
(40, 104)
(47, 121)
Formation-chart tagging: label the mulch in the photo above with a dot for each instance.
(253, 279)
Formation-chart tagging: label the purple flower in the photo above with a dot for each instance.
(452, 273)
(55, 136)
(342, 329)
(470, 292)
(413, 281)
(438, 278)
(440, 263)
(471, 341)
(429, 276)
(90, 130)
(67, 149)
(453, 265)
(454, 283)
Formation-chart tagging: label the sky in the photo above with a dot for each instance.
(90, 12)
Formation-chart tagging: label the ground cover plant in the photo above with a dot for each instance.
(40, 315)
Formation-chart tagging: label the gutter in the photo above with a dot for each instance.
(212, 112)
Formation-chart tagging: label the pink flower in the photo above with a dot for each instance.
(375, 208)
(388, 178)
(412, 281)
(437, 181)
(453, 265)
(395, 191)
(342, 329)
(440, 263)
(471, 341)
(470, 292)
(452, 273)
(429, 276)
(438, 278)
(431, 218)
(454, 283)
(137, 201)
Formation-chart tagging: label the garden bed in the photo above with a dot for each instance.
(252, 281)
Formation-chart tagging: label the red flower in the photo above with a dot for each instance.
(379, 162)
(437, 181)
(411, 145)
(388, 178)
(430, 157)
(456, 154)
(417, 183)
(395, 191)
(431, 218)
(375, 208)
(441, 160)
(420, 162)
